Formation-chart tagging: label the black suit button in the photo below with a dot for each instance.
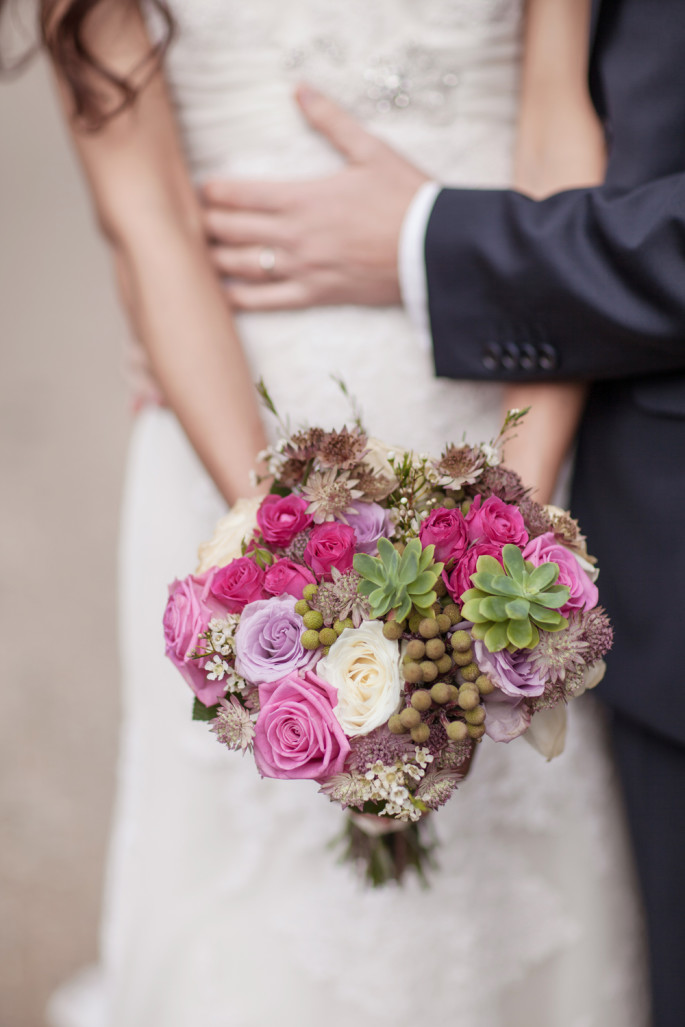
(528, 361)
(492, 357)
(548, 358)
(510, 357)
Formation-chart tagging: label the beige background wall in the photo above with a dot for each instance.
(63, 423)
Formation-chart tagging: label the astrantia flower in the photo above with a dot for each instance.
(379, 746)
(559, 653)
(566, 529)
(537, 520)
(374, 486)
(330, 495)
(295, 550)
(459, 466)
(503, 483)
(349, 789)
(303, 444)
(598, 633)
(290, 473)
(341, 449)
(554, 693)
(457, 756)
(339, 599)
(437, 787)
(233, 725)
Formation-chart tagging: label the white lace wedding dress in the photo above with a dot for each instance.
(224, 907)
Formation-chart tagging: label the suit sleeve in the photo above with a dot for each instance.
(588, 284)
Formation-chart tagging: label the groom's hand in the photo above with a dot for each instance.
(322, 241)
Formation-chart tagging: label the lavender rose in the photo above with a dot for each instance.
(281, 518)
(297, 734)
(267, 641)
(370, 522)
(330, 545)
(496, 521)
(238, 583)
(189, 609)
(287, 577)
(448, 532)
(546, 549)
(506, 718)
(512, 673)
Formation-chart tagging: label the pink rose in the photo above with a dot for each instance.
(297, 732)
(546, 549)
(238, 583)
(285, 576)
(447, 531)
(496, 521)
(189, 609)
(330, 545)
(281, 518)
(458, 580)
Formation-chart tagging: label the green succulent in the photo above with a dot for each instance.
(508, 605)
(397, 582)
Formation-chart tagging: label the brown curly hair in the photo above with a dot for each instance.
(62, 33)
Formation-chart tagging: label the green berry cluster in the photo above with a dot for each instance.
(443, 682)
(315, 634)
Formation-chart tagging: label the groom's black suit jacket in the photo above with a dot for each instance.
(590, 284)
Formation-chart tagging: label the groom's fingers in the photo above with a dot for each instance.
(263, 197)
(243, 228)
(251, 263)
(285, 295)
(339, 127)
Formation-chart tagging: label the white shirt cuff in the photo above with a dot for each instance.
(411, 263)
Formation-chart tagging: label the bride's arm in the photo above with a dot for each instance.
(149, 214)
(560, 145)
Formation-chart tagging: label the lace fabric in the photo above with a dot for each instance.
(224, 907)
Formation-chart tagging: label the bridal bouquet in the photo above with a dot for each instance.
(377, 614)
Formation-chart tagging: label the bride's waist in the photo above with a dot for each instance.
(257, 129)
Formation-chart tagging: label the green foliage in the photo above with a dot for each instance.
(397, 582)
(202, 712)
(508, 605)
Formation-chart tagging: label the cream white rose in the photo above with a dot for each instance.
(225, 545)
(364, 667)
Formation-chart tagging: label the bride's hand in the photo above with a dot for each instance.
(311, 243)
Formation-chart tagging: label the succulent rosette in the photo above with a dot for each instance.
(377, 616)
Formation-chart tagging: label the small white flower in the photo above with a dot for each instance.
(423, 757)
(491, 454)
(217, 669)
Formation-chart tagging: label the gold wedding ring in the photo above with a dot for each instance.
(267, 259)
